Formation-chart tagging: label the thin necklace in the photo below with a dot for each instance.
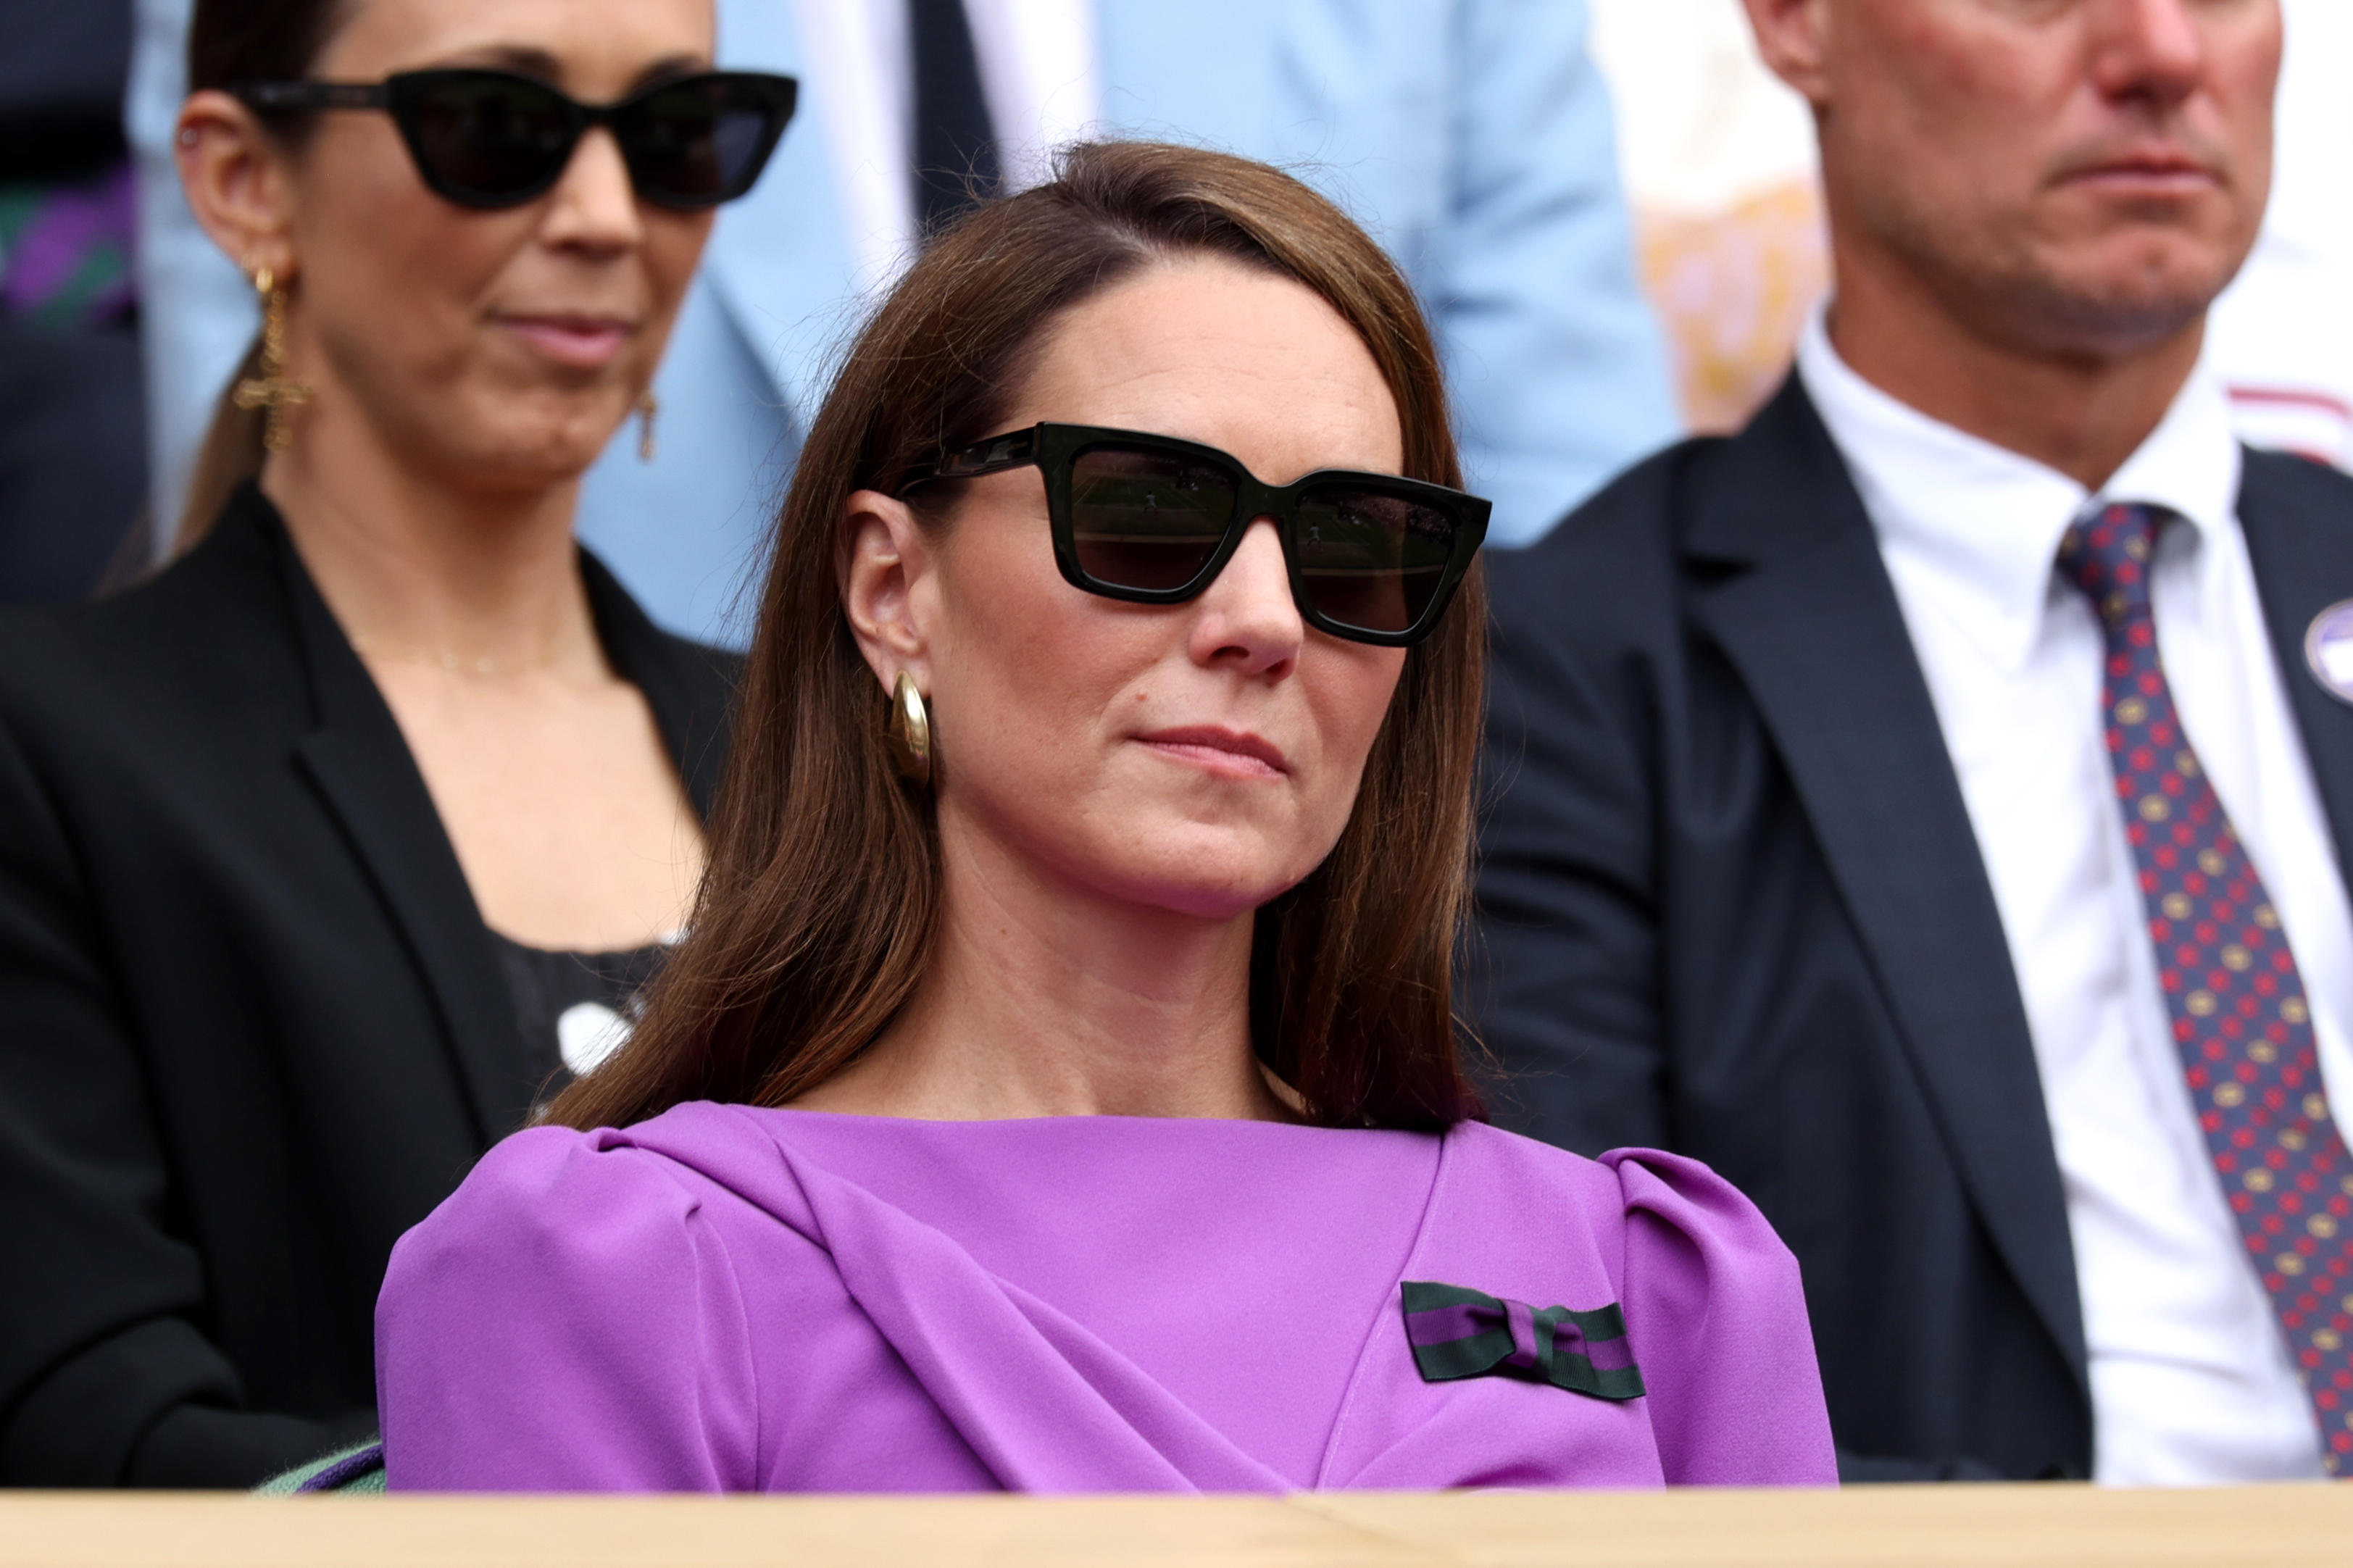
(448, 660)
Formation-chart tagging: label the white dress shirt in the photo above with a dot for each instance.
(2191, 1380)
(1038, 70)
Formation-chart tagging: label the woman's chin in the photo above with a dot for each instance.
(1218, 906)
(511, 454)
(1212, 870)
(1200, 889)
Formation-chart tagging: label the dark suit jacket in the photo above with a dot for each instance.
(252, 1026)
(1731, 904)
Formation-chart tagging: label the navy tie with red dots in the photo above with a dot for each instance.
(2231, 990)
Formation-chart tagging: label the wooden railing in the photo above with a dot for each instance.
(2011, 1527)
(1884, 1527)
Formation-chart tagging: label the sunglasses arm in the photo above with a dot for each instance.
(311, 94)
(993, 455)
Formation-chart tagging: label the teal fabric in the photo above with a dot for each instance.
(358, 1469)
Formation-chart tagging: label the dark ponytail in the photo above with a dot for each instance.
(233, 41)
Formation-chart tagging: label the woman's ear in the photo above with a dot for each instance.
(235, 178)
(890, 587)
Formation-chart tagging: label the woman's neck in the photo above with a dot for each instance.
(1044, 1000)
(417, 568)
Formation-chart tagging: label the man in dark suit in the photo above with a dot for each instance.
(1930, 806)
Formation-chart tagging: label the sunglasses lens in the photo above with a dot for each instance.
(488, 136)
(1147, 520)
(700, 142)
(1371, 561)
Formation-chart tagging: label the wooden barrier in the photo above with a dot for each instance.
(1882, 1527)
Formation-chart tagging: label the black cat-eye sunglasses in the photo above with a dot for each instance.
(494, 139)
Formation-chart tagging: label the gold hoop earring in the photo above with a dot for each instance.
(910, 730)
(649, 406)
(272, 390)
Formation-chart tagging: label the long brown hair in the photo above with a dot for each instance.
(816, 916)
(233, 41)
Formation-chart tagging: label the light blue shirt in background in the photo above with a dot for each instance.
(1471, 137)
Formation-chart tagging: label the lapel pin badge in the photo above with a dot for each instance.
(2328, 650)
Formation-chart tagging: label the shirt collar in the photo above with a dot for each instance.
(1983, 523)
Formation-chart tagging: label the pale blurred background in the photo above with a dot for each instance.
(1718, 160)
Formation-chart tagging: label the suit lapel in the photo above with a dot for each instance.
(362, 768)
(2298, 520)
(1809, 618)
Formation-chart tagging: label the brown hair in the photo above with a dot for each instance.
(816, 916)
(232, 41)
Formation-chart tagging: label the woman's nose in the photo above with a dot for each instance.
(596, 208)
(1247, 619)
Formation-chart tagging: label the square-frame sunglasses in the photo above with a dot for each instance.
(498, 138)
(1152, 520)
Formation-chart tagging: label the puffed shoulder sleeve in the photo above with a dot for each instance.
(1716, 1314)
(567, 1320)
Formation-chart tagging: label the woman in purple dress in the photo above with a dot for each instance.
(1057, 1090)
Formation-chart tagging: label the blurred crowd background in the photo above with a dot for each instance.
(1716, 157)
(73, 431)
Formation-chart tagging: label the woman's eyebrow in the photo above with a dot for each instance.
(673, 65)
(523, 60)
(541, 65)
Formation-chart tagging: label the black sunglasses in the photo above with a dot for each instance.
(494, 138)
(1152, 520)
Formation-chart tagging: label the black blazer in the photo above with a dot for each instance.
(252, 1026)
(1731, 904)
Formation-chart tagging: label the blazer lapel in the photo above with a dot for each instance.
(1807, 616)
(2298, 520)
(361, 766)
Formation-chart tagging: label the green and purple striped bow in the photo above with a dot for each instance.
(1461, 1333)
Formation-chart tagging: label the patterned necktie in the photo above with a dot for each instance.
(2231, 990)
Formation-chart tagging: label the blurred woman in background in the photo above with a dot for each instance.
(307, 846)
(1078, 1109)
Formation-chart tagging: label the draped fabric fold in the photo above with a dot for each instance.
(1050, 1407)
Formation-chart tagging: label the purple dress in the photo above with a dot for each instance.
(726, 1298)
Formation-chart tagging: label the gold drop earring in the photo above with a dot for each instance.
(910, 730)
(647, 408)
(272, 390)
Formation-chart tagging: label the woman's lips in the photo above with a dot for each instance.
(1233, 753)
(586, 341)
